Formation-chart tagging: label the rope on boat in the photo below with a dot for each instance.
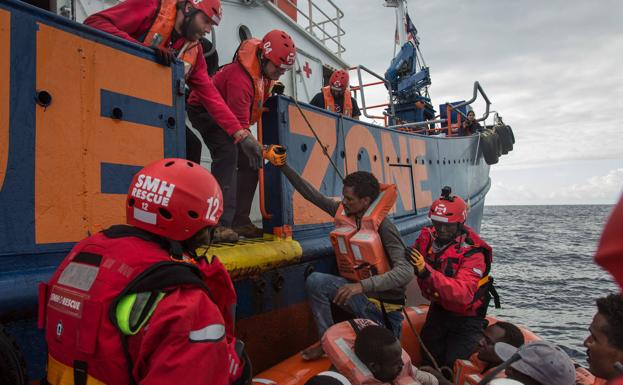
(428, 353)
(344, 144)
(324, 149)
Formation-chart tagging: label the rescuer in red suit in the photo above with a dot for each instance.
(135, 304)
(452, 265)
(245, 84)
(173, 29)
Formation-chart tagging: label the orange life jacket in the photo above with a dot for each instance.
(76, 306)
(247, 56)
(329, 101)
(471, 379)
(359, 252)
(338, 342)
(468, 371)
(584, 377)
(160, 33)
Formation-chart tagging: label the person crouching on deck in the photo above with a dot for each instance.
(375, 288)
(452, 264)
(245, 85)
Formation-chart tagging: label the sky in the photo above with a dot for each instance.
(553, 69)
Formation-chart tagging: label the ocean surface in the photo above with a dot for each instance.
(544, 269)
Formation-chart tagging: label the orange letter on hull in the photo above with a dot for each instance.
(400, 176)
(359, 137)
(417, 148)
(315, 170)
(73, 139)
(5, 85)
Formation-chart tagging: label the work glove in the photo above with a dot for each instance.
(275, 154)
(253, 150)
(416, 259)
(164, 56)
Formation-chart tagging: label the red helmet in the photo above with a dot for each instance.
(339, 80)
(212, 8)
(448, 208)
(278, 47)
(610, 251)
(174, 198)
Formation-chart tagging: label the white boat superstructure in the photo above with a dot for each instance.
(315, 26)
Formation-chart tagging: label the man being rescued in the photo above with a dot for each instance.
(369, 354)
(369, 252)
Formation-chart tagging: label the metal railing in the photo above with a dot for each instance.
(450, 127)
(318, 22)
(361, 87)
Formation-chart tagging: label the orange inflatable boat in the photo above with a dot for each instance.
(296, 371)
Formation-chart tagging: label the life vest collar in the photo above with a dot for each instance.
(338, 342)
(329, 101)
(357, 244)
(248, 55)
(159, 35)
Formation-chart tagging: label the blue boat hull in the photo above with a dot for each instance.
(68, 167)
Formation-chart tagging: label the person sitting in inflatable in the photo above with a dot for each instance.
(604, 345)
(535, 363)
(369, 354)
(605, 342)
(484, 358)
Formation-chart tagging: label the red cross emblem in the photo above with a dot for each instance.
(307, 69)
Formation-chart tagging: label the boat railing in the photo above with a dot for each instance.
(450, 128)
(477, 89)
(321, 20)
(361, 88)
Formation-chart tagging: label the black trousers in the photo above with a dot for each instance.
(449, 336)
(230, 166)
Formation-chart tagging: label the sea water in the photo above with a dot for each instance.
(544, 270)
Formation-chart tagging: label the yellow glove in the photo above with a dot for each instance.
(416, 259)
(275, 154)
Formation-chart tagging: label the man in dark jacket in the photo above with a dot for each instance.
(470, 126)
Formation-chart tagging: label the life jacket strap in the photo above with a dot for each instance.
(80, 372)
(389, 305)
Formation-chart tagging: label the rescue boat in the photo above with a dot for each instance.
(81, 111)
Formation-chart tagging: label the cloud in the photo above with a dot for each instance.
(552, 69)
(600, 189)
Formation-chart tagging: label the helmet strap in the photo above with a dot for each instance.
(188, 18)
(191, 246)
(176, 250)
(263, 64)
